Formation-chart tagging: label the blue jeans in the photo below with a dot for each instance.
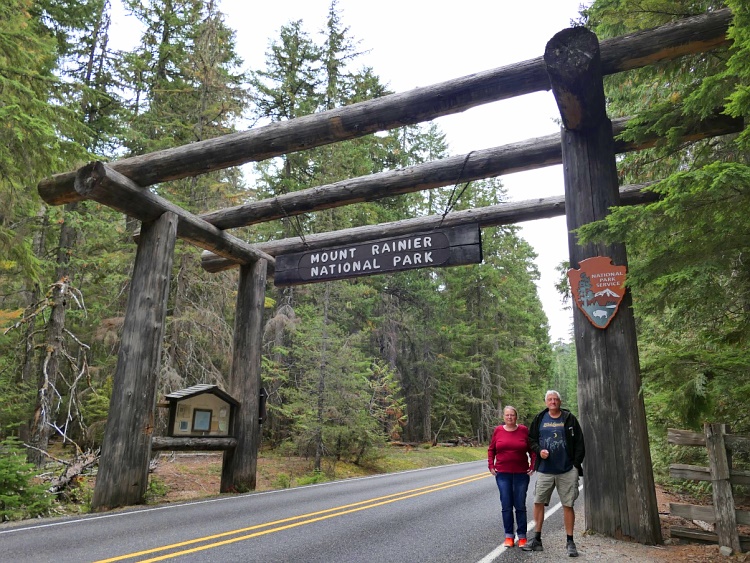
(513, 487)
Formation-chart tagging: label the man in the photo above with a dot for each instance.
(556, 437)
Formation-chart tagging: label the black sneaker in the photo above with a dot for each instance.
(571, 547)
(533, 545)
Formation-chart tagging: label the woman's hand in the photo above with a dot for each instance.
(492, 470)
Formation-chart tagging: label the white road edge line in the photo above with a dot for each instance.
(499, 550)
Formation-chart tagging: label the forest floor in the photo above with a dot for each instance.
(191, 476)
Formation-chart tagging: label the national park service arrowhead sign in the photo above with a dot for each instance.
(598, 288)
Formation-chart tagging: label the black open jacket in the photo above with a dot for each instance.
(573, 438)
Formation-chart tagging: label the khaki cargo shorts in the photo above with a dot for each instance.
(566, 483)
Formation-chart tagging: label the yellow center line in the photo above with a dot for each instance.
(310, 518)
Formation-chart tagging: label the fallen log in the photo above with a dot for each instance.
(73, 470)
(170, 443)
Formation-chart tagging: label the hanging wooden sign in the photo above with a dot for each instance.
(452, 246)
(598, 288)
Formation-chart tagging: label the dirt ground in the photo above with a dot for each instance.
(187, 477)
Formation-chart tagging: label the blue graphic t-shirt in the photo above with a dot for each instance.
(552, 438)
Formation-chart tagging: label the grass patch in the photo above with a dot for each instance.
(393, 459)
(277, 471)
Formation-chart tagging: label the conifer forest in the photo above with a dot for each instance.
(425, 355)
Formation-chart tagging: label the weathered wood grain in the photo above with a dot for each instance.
(721, 488)
(571, 57)
(620, 494)
(698, 473)
(239, 465)
(177, 444)
(685, 437)
(122, 479)
(705, 513)
(686, 36)
(701, 536)
(99, 182)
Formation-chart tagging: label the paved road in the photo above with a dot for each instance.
(442, 514)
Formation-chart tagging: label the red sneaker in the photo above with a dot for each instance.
(508, 542)
(521, 542)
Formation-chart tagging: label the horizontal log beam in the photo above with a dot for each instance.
(99, 182)
(526, 155)
(691, 472)
(735, 442)
(685, 437)
(502, 214)
(693, 512)
(704, 513)
(673, 40)
(530, 154)
(206, 443)
(700, 473)
(695, 535)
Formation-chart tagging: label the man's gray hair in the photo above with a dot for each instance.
(552, 392)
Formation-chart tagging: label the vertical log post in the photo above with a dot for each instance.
(123, 469)
(620, 499)
(239, 464)
(718, 461)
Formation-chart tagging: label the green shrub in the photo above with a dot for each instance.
(20, 497)
(282, 481)
(315, 477)
(157, 489)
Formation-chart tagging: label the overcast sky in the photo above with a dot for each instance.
(414, 43)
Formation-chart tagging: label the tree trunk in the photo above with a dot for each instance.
(620, 495)
(322, 380)
(49, 366)
(239, 467)
(123, 470)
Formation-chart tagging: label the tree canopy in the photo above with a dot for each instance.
(687, 251)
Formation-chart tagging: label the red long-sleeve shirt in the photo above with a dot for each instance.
(509, 452)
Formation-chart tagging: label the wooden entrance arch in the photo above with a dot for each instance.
(620, 499)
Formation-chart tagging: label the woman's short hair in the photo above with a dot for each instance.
(506, 407)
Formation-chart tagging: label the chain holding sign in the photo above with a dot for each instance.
(598, 288)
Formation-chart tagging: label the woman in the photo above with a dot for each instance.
(511, 461)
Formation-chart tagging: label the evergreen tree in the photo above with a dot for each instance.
(503, 339)
(687, 251)
(73, 113)
(186, 86)
(302, 76)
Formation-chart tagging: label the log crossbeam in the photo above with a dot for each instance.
(690, 35)
(101, 183)
(489, 216)
(186, 444)
(530, 154)
(525, 155)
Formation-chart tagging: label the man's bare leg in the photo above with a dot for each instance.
(569, 516)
